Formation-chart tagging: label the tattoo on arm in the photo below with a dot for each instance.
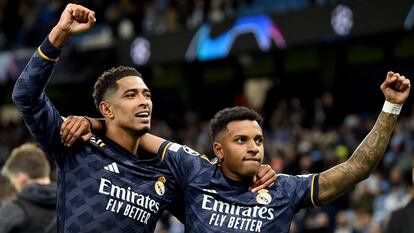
(339, 179)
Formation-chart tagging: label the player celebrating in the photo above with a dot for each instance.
(216, 194)
(105, 185)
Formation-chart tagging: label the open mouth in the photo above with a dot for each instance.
(142, 115)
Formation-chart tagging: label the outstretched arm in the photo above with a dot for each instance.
(37, 111)
(339, 179)
(75, 19)
(80, 127)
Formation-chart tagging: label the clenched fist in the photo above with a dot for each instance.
(75, 19)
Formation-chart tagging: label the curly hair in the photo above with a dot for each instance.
(223, 117)
(107, 81)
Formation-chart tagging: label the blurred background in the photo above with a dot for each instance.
(312, 68)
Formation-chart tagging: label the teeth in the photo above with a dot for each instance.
(144, 114)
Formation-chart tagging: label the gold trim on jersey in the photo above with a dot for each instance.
(46, 57)
(312, 189)
(208, 160)
(165, 150)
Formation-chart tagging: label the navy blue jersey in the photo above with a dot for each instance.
(214, 203)
(101, 186)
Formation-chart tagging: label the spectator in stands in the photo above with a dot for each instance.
(33, 209)
(401, 219)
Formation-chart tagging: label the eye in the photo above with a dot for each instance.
(259, 141)
(240, 140)
(147, 95)
(130, 95)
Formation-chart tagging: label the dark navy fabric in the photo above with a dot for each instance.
(101, 187)
(214, 203)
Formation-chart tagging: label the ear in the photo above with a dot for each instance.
(218, 150)
(106, 110)
(21, 179)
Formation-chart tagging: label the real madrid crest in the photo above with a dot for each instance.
(263, 197)
(159, 186)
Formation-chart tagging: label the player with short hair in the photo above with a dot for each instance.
(106, 185)
(216, 193)
(34, 207)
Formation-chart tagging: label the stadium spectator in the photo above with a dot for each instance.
(401, 219)
(34, 208)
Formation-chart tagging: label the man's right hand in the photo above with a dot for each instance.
(75, 19)
(74, 128)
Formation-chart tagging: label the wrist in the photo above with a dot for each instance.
(392, 108)
(58, 37)
(89, 122)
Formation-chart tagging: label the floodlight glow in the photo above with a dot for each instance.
(203, 47)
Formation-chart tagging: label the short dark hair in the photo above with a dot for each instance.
(29, 159)
(107, 81)
(227, 115)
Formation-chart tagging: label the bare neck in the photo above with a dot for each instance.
(43, 180)
(124, 138)
(235, 177)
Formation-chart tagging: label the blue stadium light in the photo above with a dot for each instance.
(342, 20)
(409, 20)
(203, 47)
(140, 51)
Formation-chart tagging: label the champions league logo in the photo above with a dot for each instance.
(190, 151)
(159, 186)
(263, 197)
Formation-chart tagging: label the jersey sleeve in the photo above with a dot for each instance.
(182, 161)
(302, 190)
(38, 113)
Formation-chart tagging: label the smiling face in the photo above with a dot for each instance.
(240, 148)
(129, 106)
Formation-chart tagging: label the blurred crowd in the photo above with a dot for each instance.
(23, 23)
(298, 141)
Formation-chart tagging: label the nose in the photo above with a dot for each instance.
(253, 148)
(144, 101)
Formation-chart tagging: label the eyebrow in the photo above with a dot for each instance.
(245, 136)
(137, 90)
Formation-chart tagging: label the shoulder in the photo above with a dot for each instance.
(285, 178)
(12, 213)
(186, 153)
(295, 182)
(11, 207)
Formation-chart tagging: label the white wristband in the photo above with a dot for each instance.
(392, 108)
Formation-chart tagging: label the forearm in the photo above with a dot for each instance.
(339, 179)
(37, 111)
(150, 143)
(29, 88)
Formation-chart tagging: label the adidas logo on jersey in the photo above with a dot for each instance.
(113, 167)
